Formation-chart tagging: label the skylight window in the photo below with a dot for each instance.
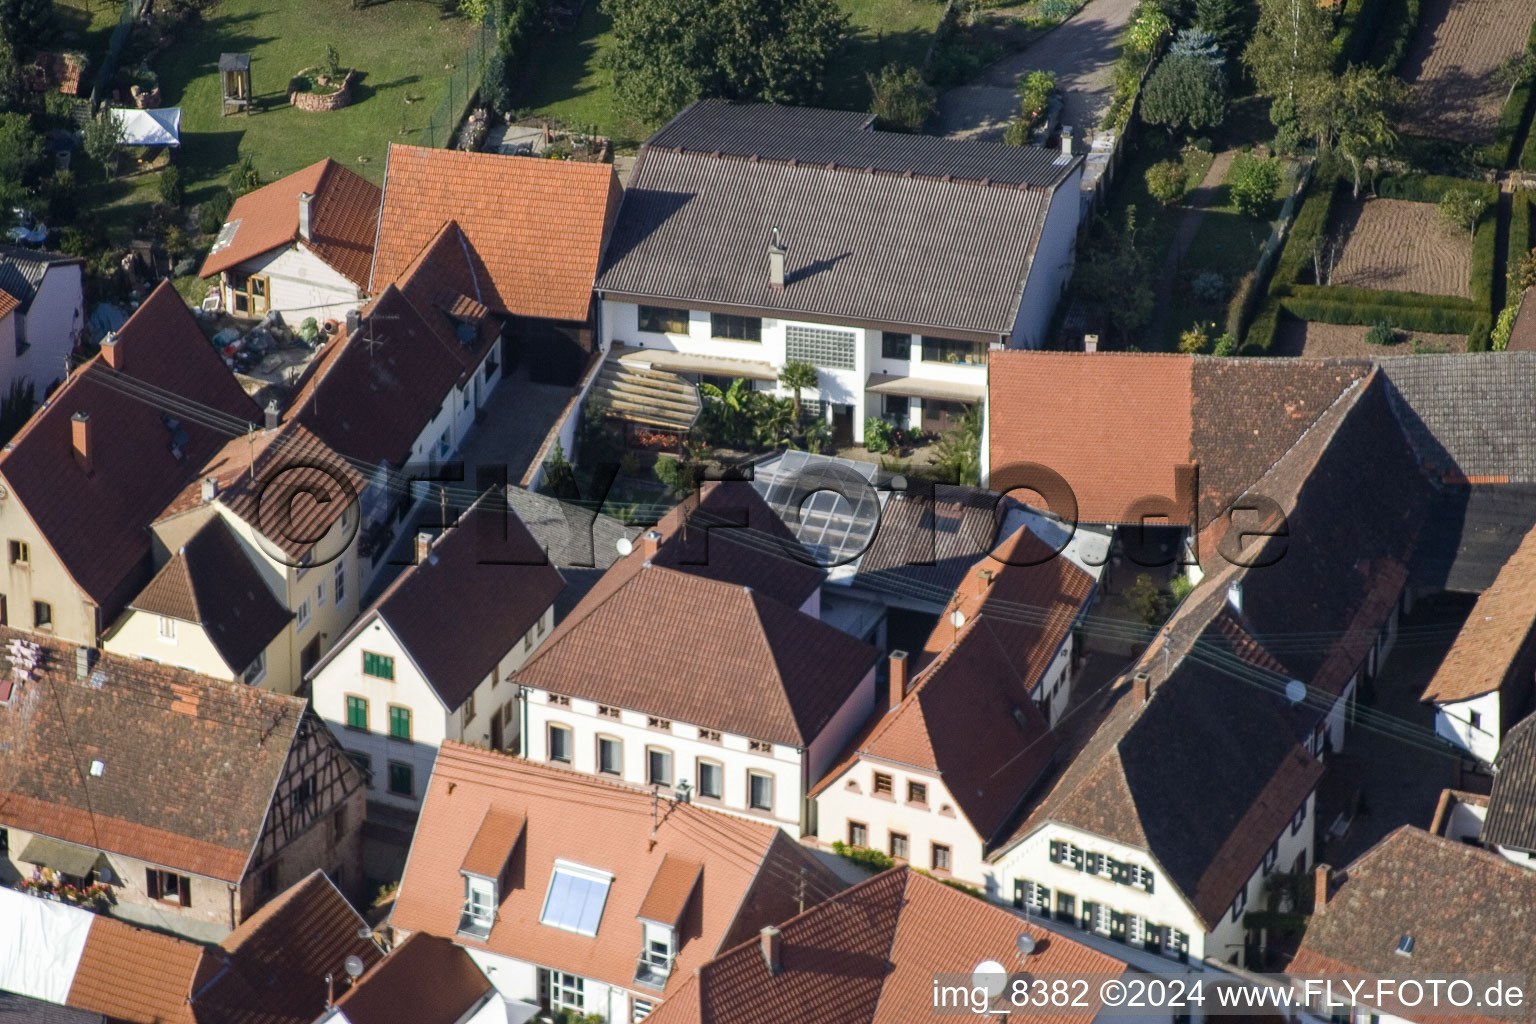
(576, 898)
(226, 236)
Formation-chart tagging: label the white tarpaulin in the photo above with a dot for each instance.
(40, 945)
(149, 127)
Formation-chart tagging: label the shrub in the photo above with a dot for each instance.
(170, 185)
(874, 860)
(1253, 181)
(1519, 233)
(495, 89)
(879, 435)
(1499, 338)
(210, 216)
(1240, 306)
(1149, 603)
(1167, 181)
(1226, 345)
(1193, 341)
(1185, 92)
(1381, 333)
(1180, 586)
(244, 178)
(1057, 10)
(63, 199)
(1209, 286)
(900, 99)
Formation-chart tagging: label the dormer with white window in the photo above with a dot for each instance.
(661, 918)
(488, 869)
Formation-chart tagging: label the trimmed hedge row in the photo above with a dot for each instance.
(1430, 188)
(1311, 222)
(1431, 319)
(1501, 151)
(1484, 253)
(1352, 296)
(1519, 229)
(1397, 22)
(1360, 24)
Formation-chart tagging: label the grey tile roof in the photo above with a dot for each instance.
(907, 251)
(847, 139)
(22, 270)
(18, 1009)
(1511, 819)
(1471, 415)
(1469, 533)
(572, 536)
(926, 543)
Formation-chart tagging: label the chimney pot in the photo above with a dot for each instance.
(776, 254)
(1141, 687)
(80, 435)
(423, 547)
(210, 488)
(650, 541)
(1320, 877)
(110, 354)
(898, 677)
(1066, 139)
(773, 949)
(306, 202)
(272, 415)
(1090, 343)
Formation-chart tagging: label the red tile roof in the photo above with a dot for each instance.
(649, 638)
(868, 956)
(1488, 650)
(1115, 426)
(749, 875)
(498, 835)
(97, 522)
(134, 975)
(483, 586)
(8, 302)
(344, 218)
(671, 890)
(536, 228)
(189, 763)
(424, 980)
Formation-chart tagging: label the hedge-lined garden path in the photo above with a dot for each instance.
(1189, 226)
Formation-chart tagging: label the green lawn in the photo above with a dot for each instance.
(85, 26)
(402, 48)
(568, 81)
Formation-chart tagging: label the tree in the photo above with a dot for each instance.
(1290, 47)
(1516, 70)
(11, 90)
(26, 24)
(900, 100)
(667, 53)
(1188, 92)
(957, 456)
(1227, 21)
(244, 177)
(103, 136)
(1197, 42)
(1035, 90)
(1114, 275)
(798, 377)
(1167, 181)
(1194, 341)
(1462, 207)
(21, 150)
(1523, 274)
(1365, 103)
(1253, 181)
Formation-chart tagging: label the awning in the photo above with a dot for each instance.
(683, 362)
(149, 127)
(65, 858)
(922, 387)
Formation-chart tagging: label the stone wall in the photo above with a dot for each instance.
(316, 103)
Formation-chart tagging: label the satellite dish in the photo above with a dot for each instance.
(991, 977)
(957, 618)
(353, 965)
(1295, 691)
(1026, 944)
(624, 545)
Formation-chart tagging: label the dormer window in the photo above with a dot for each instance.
(661, 914)
(487, 870)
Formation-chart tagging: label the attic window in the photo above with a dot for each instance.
(1404, 946)
(98, 769)
(576, 898)
(226, 236)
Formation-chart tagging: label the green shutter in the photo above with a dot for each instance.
(380, 666)
(400, 723)
(357, 713)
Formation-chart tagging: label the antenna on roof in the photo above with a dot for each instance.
(353, 965)
(1025, 943)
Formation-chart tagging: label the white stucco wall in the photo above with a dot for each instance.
(732, 753)
(850, 797)
(301, 285)
(1454, 722)
(1051, 267)
(51, 322)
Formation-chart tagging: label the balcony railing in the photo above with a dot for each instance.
(653, 973)
(474, 925)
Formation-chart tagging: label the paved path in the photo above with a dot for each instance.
(1082, 52)
(1189, 225)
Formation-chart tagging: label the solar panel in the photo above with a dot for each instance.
(575, 899)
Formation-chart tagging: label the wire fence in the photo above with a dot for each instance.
(107, 72)
(462, 86)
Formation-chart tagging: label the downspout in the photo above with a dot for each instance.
(233, 920)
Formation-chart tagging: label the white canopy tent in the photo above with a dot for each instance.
(149, 127)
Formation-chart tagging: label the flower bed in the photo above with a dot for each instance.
(313, 99)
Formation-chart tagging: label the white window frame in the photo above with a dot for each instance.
(650, 779)
(167, 629)
(618, 743)
(719, 768)
(320, 595)
(577, 871)
(302, 615)
(481, 913)
(340, 583)
(256, 671)
(549, 743)
(752, 776)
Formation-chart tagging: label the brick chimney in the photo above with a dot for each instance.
(1320, 876)
(898, 677)
(423, 547)
(110, 353)
(776, 255)
(306, 204)
(80, 435)
(773, 949)
(1141, 688)
(650, 540)
(271, 415)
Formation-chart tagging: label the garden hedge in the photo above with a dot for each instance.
(1429, 188)
(1360, 24)
(1519, 228)
(1397, 22)
(1501, 152)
